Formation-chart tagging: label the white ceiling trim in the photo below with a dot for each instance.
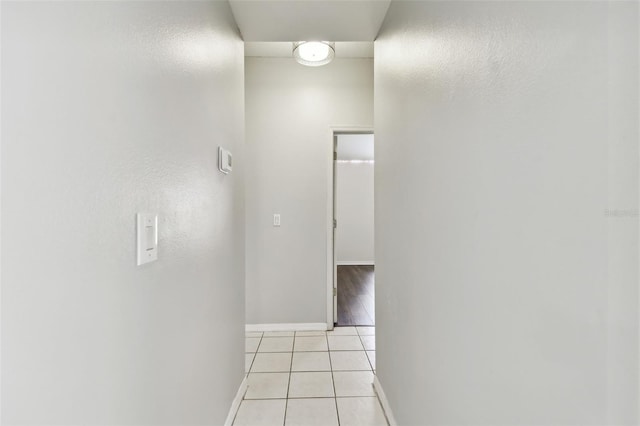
(331, 20)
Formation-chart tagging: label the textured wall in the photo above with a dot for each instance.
(505, 292)
(289, 111)
(108, 109)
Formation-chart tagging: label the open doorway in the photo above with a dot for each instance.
(353, 212)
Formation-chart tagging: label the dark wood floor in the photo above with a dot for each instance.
(355, 295)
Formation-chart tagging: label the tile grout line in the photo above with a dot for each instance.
(286, 401)
(365, 350)
(314, 397)
(255, 354)
(247, 377)
(310, 371)
(333, 382)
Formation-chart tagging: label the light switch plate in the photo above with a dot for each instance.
(147, 238)
(276, 219)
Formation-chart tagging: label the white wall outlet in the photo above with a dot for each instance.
(276, 220)
(147, 238)
(225, 160)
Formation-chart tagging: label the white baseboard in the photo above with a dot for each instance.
(296, 326)
(384, 402)
(355, 262)
(235, 405)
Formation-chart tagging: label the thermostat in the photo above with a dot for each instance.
(224, 160)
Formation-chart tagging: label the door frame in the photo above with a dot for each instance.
(332, 304)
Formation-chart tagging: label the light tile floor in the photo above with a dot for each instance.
(311, 378)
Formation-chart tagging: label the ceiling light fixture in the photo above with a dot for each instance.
(313, 53)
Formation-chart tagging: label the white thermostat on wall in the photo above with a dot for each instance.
(225, 160)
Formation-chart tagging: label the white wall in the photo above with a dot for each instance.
(354, 212)
(289, 111)
(108, 109)
(504, 293)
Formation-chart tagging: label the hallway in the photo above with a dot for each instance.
(170, 179)
(311, 378)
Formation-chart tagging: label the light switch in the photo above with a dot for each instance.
(147, 238)
(150, 237)
(276, 220)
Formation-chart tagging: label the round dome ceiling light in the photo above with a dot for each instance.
(314, 53)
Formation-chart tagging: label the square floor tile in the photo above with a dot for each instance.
(360, 412)
(271, 362)
(276, 344)
(311, 385)
(349, 361)
(372, 358)
(369, 342)
(343, 331)
(345, 343)
(353, 383)
(310, 333)
(269, 412)
(278, 334)
(310, 344)
(311, 412)
(366, 331)
(311, 361)
(267, 385)
(253, 334)
(251, 344)
(248, 359)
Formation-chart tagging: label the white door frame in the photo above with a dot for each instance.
(332, 307)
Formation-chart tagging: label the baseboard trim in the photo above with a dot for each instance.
(384, 402)
(355, 262)
(297, 326)
(235, 404)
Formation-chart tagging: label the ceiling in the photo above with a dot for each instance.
(283, 49)
(296, 20)
(355, 147)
